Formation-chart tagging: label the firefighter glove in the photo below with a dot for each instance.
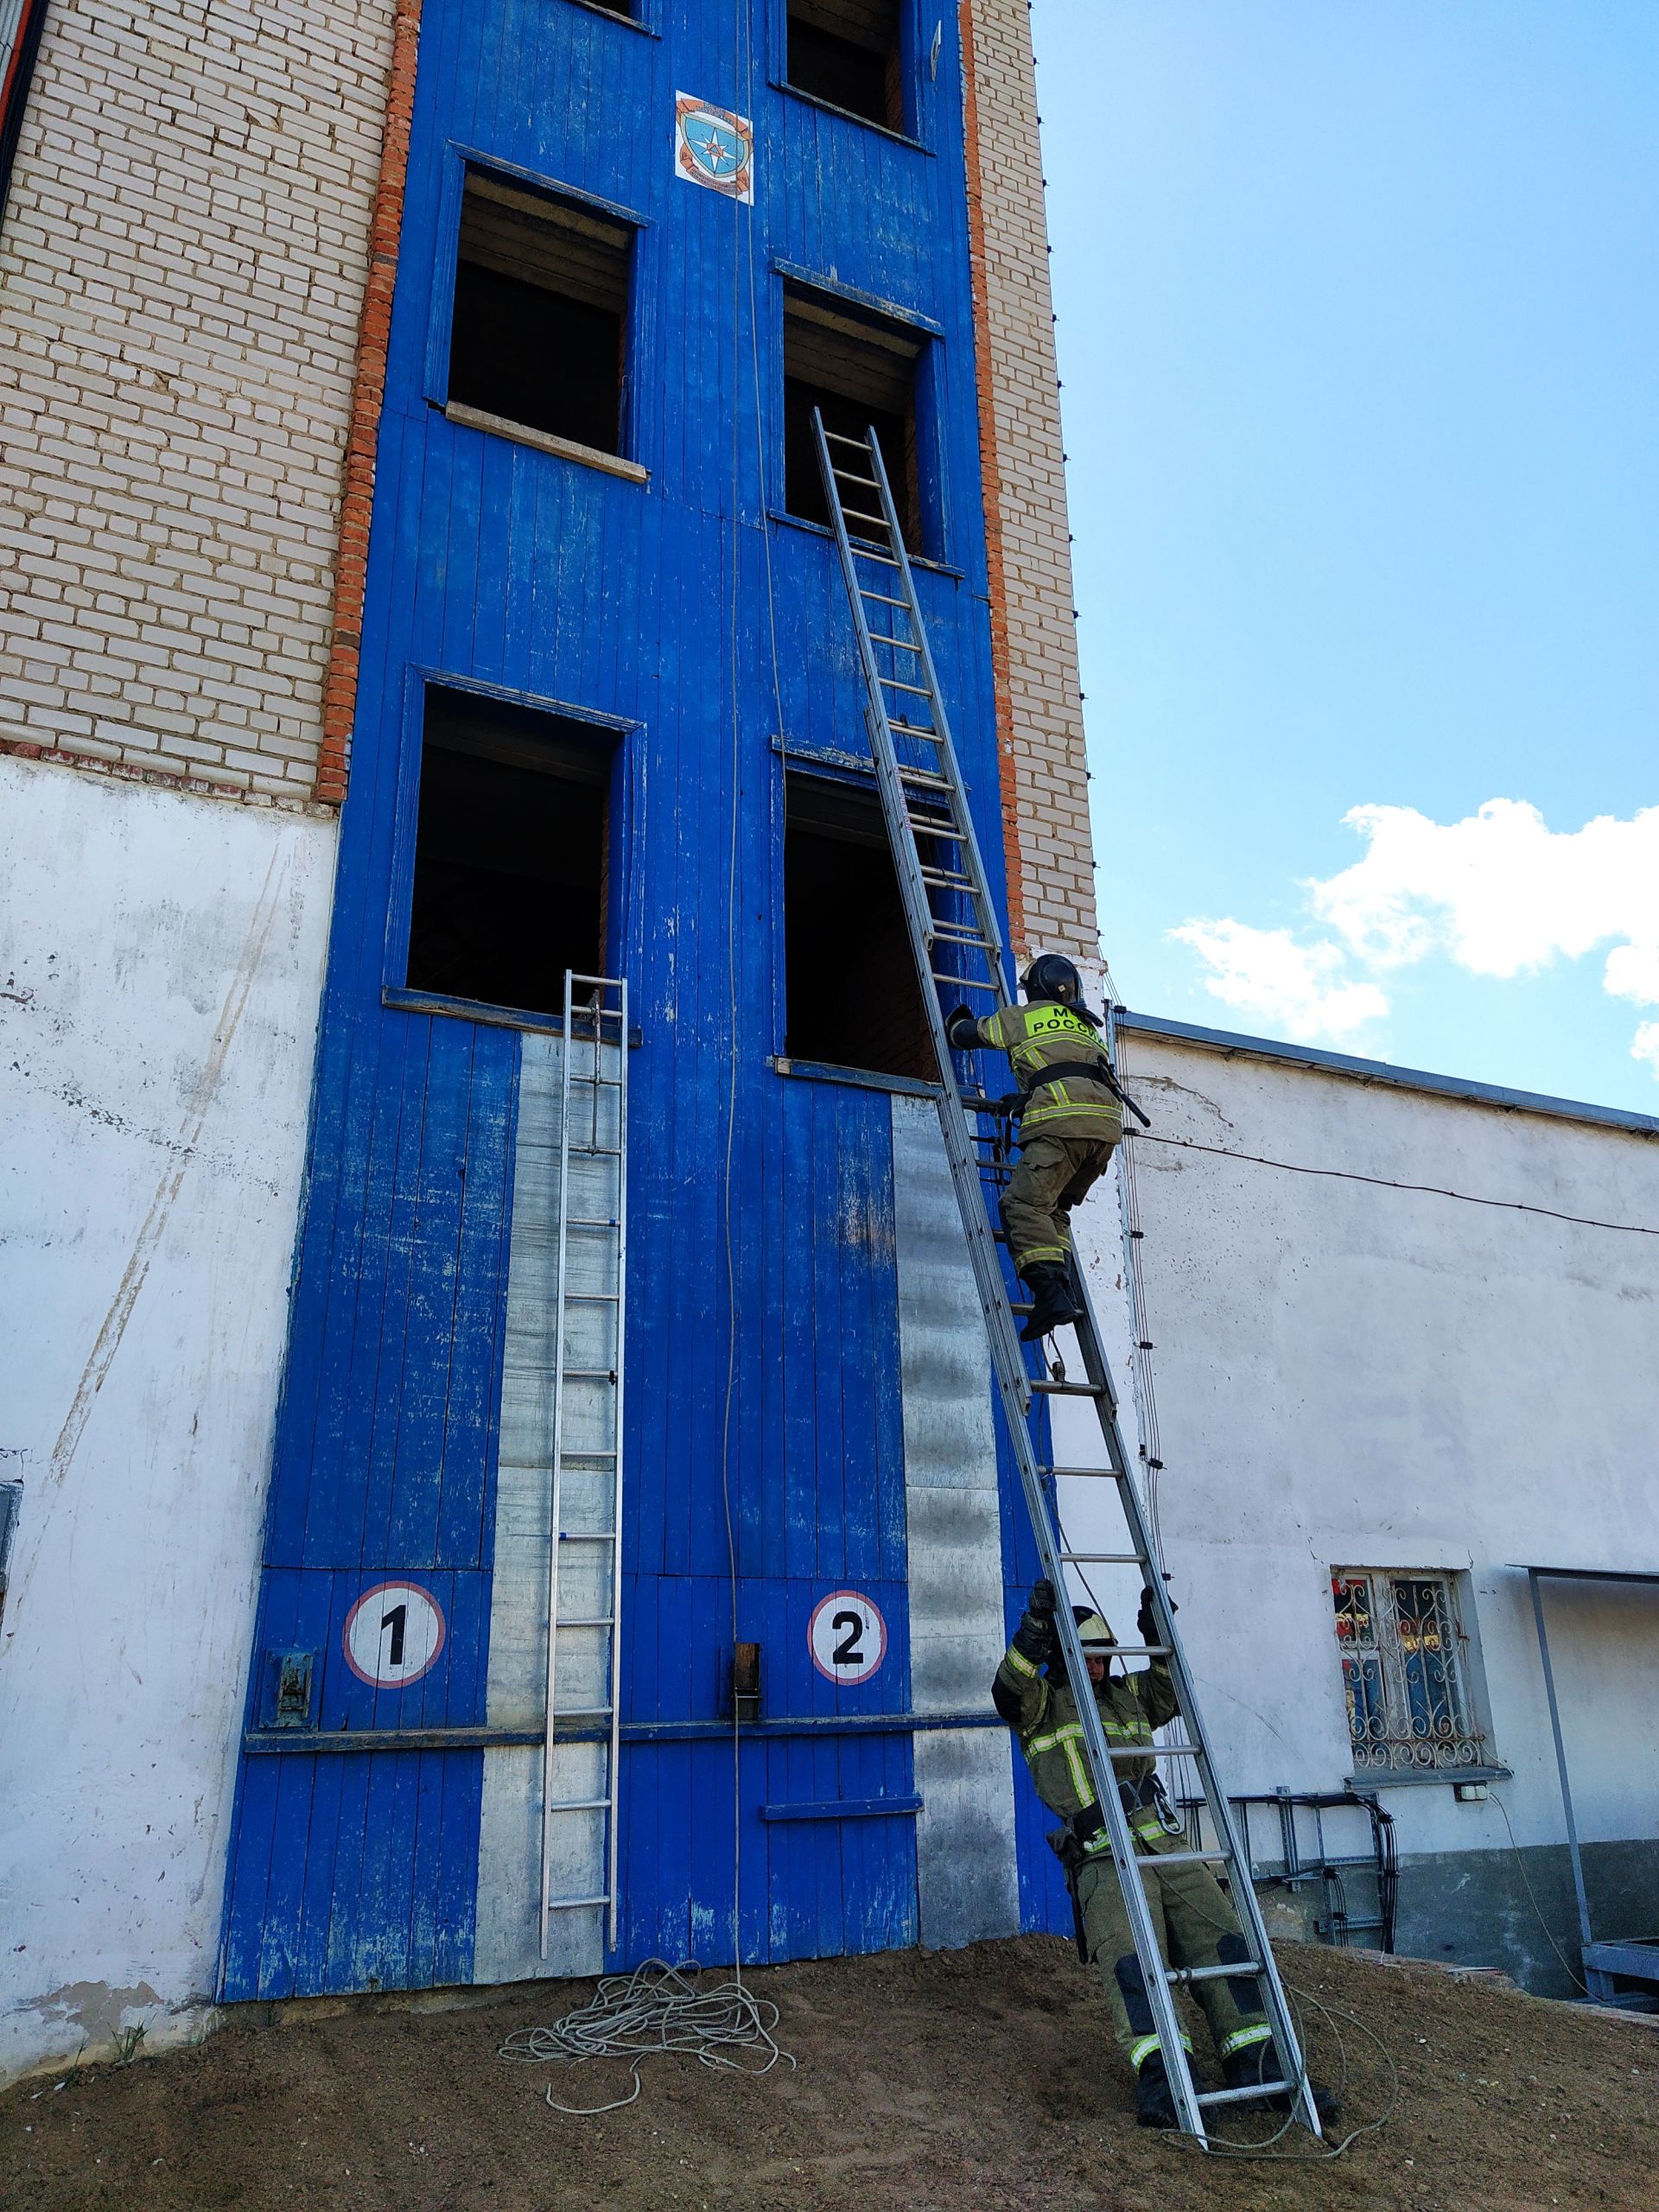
(961, 1029)
(1034, 1637)
(1145, 1619)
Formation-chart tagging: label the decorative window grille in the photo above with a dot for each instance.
(1403, 1669)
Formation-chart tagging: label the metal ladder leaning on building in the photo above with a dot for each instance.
(584, 1571)
(952, 924)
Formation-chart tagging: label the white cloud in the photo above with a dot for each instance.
(1299, 988)
(1500, 894)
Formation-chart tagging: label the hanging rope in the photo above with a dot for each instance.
(655, 2010)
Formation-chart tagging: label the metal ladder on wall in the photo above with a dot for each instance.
(584, 1572)
(957, 943)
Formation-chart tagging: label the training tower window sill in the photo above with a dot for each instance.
(498, 426)
(399, 999)
(860, 1078)
(847, 115)
(616, 16)
(823, 530)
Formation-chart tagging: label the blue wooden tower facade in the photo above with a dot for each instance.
(610, 719)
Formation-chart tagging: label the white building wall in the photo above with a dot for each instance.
(159, 985)
(1350, 1374)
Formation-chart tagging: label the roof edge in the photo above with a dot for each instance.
(1397, 1078)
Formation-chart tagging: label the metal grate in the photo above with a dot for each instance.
(1400, 1641)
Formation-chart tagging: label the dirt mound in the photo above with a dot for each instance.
(957, 2081)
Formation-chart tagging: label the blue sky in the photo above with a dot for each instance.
(1358, 310)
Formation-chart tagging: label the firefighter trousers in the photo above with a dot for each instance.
(1196, 1927)
(1053, 1174)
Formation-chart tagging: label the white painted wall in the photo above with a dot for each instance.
(1355, 1375)
(161, 967)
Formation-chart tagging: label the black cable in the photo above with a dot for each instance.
(1388, 1183)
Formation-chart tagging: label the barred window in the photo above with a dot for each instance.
(1410, 1709)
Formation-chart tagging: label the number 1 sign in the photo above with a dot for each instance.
(847, 1637)
(393, 1635)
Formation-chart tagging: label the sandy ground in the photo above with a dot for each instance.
(960, 2081)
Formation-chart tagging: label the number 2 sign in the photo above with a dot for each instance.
(393, 1635)
(847, 1637)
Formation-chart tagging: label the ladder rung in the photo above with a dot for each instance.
(967, 983)
(1181, 1859)
(924, 778)
(591, 1221)
(902, 645)
(588, 1535)
(594, 1151)
(946, 881)
(582, 1713)
(840, 438)
(588, 1374)
(1083, 1474)
(1157, 1752)
(862, 552)
(610, 1082)
(850, 476)
(601, 1620)
(1103, 1559)
(1067, 1390)
(960, 933)
(582, 1805)
(857, 514)
(574, 1905)
(591, 1297)
(885, 599)
(1240, 2096)
(1146, 1652)
(1248, 1967)
(921, 691)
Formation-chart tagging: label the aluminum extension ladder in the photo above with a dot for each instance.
(953, 927)
(584, 1570)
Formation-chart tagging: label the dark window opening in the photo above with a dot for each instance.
(847, 51)
(850, 986)
(510, 853)
(861, 374)
(541, 303)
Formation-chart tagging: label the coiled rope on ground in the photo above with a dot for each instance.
(657, 2009)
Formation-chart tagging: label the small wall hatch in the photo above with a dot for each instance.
(290, 1677)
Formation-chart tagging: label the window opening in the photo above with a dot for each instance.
(860, 371)
(851, 994)
(847, 51)
(540, 306)
(510, 853)
(1402, 1670)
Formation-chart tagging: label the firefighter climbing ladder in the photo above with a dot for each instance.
(584, 1570)
(957, 943)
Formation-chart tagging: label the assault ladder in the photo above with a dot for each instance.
(584, 1570)
(957, 945)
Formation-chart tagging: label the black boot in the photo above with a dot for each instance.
(1259, 2061)
(1052, 1304)
(1153, 2105)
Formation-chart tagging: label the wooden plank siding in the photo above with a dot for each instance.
(656, 605)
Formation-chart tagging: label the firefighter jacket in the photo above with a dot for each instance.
(1043, 1714)
(1071, 1103)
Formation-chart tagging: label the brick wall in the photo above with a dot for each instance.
(1040, 715)
(182, 268)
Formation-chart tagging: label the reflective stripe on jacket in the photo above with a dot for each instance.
(1043, 1714)
(1051, 1035)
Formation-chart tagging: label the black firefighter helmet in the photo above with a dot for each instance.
(1051, 980)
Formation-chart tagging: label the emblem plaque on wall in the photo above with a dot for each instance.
(714, 147)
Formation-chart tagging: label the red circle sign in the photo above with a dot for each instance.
(847, 1638)
(393, 1635)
